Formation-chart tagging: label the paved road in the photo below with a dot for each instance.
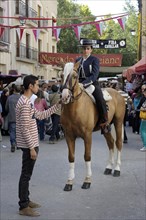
(109, 198)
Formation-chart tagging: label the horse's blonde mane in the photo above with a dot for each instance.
(68, 68)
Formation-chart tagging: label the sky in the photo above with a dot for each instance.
(103, 7)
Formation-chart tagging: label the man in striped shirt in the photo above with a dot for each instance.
(27, 140)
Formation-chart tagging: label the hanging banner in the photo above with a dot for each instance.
(56, 33)
(122, 22)
(77, 30)
(19, 32)
(55, 58)
(99, 27)
(36, 33)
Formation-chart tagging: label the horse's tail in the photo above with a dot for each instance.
(113, 132)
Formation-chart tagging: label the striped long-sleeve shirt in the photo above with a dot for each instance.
(26, 127)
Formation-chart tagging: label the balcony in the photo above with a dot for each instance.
(29, 53)
(42, 23)
(5, 38)
(24, 10)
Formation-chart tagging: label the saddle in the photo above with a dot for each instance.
(90, 89)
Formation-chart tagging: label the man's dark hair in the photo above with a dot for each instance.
(54, 88)
(30, 79)
(17, 88)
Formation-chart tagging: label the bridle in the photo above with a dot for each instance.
(68, 85)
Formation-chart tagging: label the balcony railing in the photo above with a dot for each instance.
(25, 52)
(5, 38)
(1, 21)
(42, 23)
(25, 11)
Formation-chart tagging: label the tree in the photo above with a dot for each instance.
(69, 10)
(68, 43)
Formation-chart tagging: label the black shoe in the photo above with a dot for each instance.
(13, 148)
(125, 141)
(52, 141)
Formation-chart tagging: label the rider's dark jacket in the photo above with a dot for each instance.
(88, 69)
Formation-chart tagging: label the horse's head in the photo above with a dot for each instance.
(69, 81)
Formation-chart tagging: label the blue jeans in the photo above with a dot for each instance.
(12, 132)
(41, 128)
(143, 132)
(55, 127)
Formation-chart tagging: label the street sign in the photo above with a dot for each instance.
(109, 44)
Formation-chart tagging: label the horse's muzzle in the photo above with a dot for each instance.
(66, 96)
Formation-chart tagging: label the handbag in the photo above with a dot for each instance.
(142, 115)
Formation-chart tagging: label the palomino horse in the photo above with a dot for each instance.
(78, 123)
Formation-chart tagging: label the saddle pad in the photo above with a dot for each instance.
(106, 95)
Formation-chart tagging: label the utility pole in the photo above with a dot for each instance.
(139, 29)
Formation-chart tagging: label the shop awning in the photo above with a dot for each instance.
(7, 79)
(139, 68)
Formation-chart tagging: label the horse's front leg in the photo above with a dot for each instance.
(87, 158)
(71, 158)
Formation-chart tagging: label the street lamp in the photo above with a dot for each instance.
(133, 32)
(22, 21)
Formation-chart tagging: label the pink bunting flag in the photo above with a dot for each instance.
(56, 33)
(99, 27)
(20, 32)
(36, 33)
(122, 22)
(77, 30)
(1, 31)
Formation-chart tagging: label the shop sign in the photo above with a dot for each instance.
(55, 58)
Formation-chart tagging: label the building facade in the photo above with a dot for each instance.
(22, 55)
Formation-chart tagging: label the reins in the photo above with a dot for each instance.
(72, 88)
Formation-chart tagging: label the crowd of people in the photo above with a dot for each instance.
(135, 100)
(42, 100)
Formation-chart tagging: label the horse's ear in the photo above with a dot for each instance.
(76, 66)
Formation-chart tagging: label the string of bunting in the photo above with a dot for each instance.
(56, 29)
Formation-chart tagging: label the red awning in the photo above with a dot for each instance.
(139, 68)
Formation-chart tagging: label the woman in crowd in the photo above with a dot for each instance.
(41, 105)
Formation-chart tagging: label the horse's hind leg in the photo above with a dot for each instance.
(119, 144)
(111, 143)
(87, 158)
(71, 155)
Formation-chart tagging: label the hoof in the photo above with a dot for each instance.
(86, 185)
(107, 171)
(116, 173)
(68, 187)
